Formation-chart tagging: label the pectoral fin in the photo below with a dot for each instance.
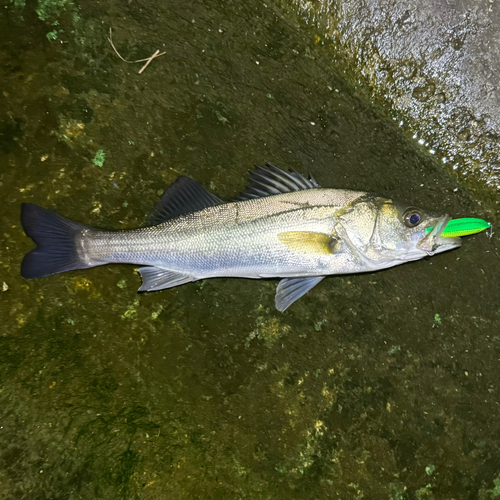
(156, 278)
(308, 242)
(291, 289)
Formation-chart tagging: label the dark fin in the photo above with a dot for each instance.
(272, 180)
(156, 278)
(291, 289)
(308, 242)
(54, 236)
(183, 196)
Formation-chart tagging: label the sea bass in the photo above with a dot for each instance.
(285, 226)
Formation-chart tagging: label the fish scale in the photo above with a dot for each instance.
(209, 243)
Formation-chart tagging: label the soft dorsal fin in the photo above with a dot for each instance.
(273, 180)
(183, 196)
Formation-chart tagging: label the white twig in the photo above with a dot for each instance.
(147, 60)
(156, 54)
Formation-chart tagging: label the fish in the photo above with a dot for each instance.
(283, 226)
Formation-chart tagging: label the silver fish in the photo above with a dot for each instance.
(283, 226)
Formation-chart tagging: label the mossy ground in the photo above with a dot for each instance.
(206, 391)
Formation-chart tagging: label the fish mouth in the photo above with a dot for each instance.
(434, 243)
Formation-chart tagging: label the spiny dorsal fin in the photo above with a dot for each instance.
(273, 180)
(291, 289)
(309, 242)
(183, 196)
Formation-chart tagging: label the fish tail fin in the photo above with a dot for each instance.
(54, 236)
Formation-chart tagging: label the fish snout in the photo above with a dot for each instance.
(433, 242)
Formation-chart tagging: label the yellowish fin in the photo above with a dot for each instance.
(308, 242)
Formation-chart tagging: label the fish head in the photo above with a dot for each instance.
(388, 232)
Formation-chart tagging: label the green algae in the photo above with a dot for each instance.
(424, 493)
(397, 491)
(490, 493)
(437, 321)
(430, 469)
(47, 9)
(53, 35)
(99, 158)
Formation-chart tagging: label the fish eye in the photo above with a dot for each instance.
(412, 218)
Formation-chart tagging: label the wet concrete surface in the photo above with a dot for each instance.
(435, 65)
(375, 386)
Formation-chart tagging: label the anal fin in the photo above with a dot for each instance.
(157, 278)
(291, 289)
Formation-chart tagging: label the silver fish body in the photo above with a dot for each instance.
(285, 226)
(238, 239)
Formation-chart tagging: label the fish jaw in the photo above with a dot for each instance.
(433, 242)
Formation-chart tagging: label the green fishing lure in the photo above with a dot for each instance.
(462, 227)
